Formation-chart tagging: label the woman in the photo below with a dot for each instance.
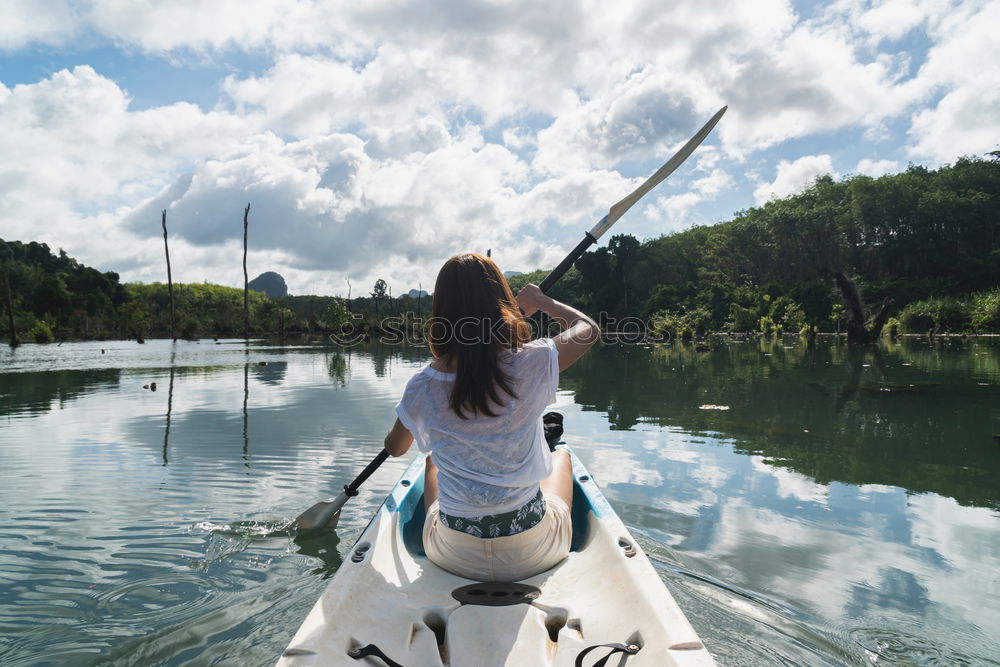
(498, 502)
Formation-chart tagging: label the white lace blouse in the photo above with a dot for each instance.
(486, 465)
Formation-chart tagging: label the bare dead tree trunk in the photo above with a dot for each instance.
(857, 331)
(246, 282)
(170, 280)
(855, 312)
(348, 295)
(875, 330)
(420, 299)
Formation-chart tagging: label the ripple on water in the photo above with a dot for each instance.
(229, 634)
(135, 602)
(743, 627)
(898, 646)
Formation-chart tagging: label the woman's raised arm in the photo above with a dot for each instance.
(579, 331)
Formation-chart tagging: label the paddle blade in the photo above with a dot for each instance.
(322, 515)
(326, 515)
(625, 204)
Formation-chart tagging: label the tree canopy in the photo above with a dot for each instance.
(911, 236)
(928, 239)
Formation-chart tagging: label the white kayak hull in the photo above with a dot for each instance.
(388, 593)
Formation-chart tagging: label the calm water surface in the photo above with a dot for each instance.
(844, 509)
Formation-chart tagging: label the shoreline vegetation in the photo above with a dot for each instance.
(927, 242)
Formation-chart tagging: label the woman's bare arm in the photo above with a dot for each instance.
(398, 440)
(579, 331)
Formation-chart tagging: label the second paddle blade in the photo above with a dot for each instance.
(317, 517)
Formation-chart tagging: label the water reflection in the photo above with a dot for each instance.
(339, 366)
(170, 409)
(105, 488)
(911, 414)
(270, 372)
(37, 393)
(246, 414)
(809, 523)
(840, 511)
(757, 549)
(322, 546)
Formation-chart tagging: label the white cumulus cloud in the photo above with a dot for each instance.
(876, 168)
(793, 176)
(375, 139)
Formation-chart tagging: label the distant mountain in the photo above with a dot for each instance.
(416, 294)
(270, 283)
(511, 274)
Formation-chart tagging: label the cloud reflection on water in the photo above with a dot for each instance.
(749, 519)
(854, 558)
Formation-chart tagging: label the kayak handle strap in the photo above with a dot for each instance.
(628, 649)
(373, 651)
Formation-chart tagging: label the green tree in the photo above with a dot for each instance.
(335, 316)
(379, 292)
(51, 296)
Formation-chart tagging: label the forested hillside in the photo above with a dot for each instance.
(47, 290)
(928, 239)
(53, 297)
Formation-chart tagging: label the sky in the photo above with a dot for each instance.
(376, 139)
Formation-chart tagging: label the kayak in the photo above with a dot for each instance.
(388, 605)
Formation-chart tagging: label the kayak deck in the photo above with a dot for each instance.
(388, 594)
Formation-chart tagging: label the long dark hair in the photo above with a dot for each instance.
(474, 317)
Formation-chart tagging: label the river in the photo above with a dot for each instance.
(805, 506)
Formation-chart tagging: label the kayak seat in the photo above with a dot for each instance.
(412, 516)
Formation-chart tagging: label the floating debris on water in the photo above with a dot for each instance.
(897, 388)
(709, 406)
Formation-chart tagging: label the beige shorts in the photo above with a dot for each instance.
(509, 558)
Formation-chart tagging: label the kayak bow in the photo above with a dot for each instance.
(388, 603)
